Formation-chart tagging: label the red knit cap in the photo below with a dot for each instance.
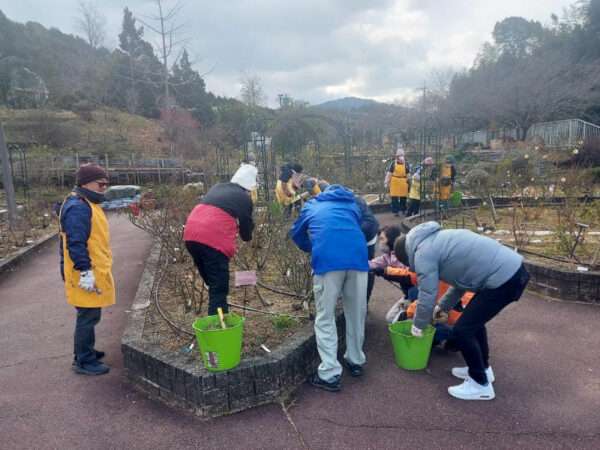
(90, 172)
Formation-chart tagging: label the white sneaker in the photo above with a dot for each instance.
(472, 390)
(463, 373)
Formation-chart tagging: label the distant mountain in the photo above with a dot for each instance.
(348, 104)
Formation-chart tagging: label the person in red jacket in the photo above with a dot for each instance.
(211, 231)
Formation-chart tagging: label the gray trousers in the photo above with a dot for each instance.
(351, 285)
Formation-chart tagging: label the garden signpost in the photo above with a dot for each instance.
(7, 181)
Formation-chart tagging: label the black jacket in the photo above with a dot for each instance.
(235, 201)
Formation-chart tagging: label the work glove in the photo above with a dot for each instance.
(378, 271)
(416, 332)
(439, 315)
(87, 281)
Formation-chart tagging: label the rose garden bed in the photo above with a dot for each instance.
(279, 349)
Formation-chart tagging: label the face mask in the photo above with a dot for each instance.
(384, 248)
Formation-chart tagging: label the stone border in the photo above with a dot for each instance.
(9, 264)
(545, 279)
(182, 381)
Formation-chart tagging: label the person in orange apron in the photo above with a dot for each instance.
(396, 179)
(86, 263)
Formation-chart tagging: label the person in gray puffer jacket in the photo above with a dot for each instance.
(467, 262)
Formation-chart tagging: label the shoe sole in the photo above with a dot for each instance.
(488, 397)
(472, 398)
(325, 387)
(79, 371)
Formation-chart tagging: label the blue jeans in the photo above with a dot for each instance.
(85, 337)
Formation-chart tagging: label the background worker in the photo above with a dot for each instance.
(329, 227)
(467, 262)
(396, 178)
(445, 177)
(288, 183)
(86, 264)
(212, 228)
(415, 192)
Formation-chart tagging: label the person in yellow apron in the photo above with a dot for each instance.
(414, 194)
(445, 181)
(287, 185)
(313, 186)
(396, 179)
(86, 263)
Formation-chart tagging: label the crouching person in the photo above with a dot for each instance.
(329, 227)
(86, 264)
(211, 232)
(467, 262)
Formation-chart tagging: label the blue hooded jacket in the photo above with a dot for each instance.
(329, 227)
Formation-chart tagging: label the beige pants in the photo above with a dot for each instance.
(351, 285)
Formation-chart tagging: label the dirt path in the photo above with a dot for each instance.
(545, 356)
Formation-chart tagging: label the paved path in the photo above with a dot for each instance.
(545, 356)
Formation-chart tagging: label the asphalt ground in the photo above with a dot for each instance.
(545, 356)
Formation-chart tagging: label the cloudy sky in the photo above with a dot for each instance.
(315, 50)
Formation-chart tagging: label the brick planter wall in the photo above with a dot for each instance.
(182, 381)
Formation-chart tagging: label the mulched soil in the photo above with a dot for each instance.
(259, 329)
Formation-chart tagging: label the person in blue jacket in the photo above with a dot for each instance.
(329, 228)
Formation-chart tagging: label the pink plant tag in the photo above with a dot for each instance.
(245, 278)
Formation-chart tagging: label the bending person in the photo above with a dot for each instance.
(211, 232)
(467, 262)
(329, 227)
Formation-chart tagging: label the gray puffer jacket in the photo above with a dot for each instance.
(461, 258)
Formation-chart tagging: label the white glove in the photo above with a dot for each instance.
(416, 332)
(87, 281)
(436, 310)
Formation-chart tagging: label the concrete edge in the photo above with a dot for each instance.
(10, 264)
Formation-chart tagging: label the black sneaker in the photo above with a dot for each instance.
(99, 356)
(95, 368)
(331, 386)
(355, 369)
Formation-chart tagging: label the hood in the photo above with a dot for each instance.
(417, 235)
(245, 176)
(336, 193)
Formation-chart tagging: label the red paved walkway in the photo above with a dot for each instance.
(545, 355)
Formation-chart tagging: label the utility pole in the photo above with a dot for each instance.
(7, 181)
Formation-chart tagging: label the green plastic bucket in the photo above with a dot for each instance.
(411, 353)
(221, 349)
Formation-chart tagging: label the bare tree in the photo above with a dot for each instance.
(252, 91)
(92, 23)
(169, 31)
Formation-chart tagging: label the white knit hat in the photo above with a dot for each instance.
(246, 176)
(400, 151)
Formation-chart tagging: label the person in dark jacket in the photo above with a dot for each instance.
(370, 228)
(211, 232)
(329, 227)
(86, 264)
(467, 262)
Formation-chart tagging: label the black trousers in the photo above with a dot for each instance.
(213, 267)
(371, 277)
(398, 204)
(413, 207)
(469, 334)
(85, 336)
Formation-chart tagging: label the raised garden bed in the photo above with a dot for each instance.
(180, 379)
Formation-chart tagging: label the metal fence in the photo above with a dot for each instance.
(563, 133)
